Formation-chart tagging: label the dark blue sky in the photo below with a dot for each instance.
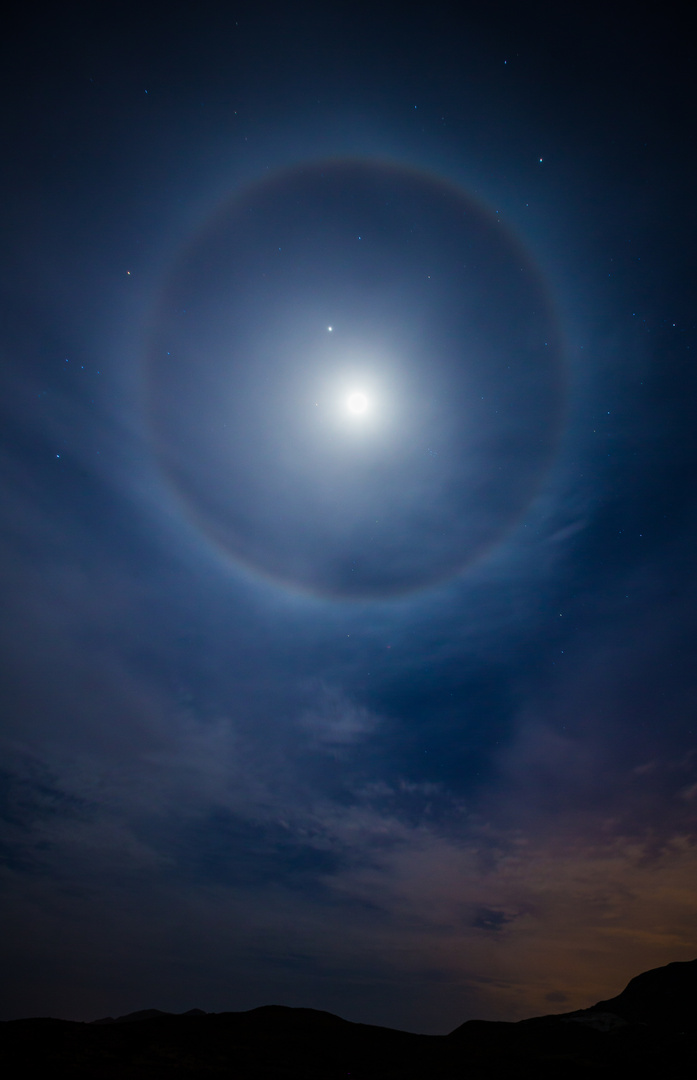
(220, 790)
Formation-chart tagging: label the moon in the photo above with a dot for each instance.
(357, 403)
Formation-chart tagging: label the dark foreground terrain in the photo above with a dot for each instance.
(650, 1029)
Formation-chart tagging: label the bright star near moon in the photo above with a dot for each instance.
(357, 403)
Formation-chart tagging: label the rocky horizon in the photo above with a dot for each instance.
(648, 1025)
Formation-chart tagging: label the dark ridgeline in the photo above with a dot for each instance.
(649, 1029)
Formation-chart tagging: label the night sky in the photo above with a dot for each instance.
(348, 456)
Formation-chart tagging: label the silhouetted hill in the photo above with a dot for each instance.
(650, 1029)
(663, 996)
(143, 1014)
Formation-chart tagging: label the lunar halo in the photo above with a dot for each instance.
(336, 272)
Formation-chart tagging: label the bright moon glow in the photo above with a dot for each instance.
(357, 403)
